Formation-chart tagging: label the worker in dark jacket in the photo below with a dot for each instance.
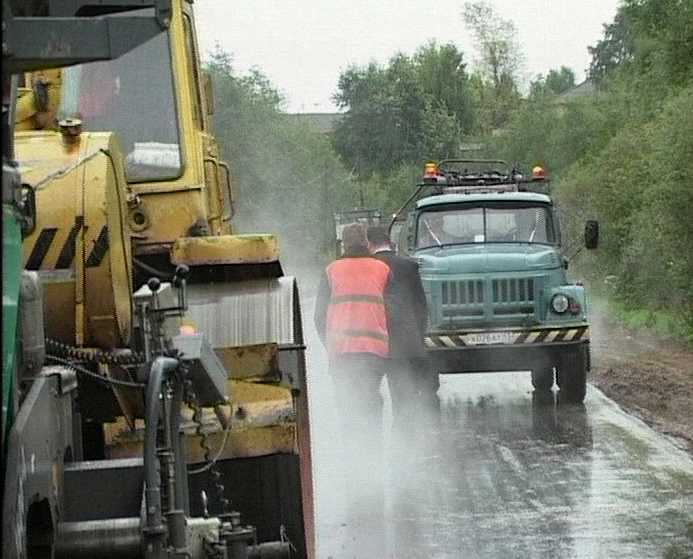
(351, 321)
(413, 385)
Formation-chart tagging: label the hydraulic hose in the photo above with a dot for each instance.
(177, 486)
(155, 530)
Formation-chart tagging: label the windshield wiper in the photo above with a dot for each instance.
(433, 235)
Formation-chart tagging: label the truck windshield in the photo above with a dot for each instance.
(133, 97)
(485, 224)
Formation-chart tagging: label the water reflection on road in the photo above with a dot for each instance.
(506, 474)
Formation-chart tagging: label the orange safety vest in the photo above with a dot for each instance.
(356, 319)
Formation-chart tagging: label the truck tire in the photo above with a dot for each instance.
(542, 379)
(571, 376)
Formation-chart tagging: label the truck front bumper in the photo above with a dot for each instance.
(512, 349)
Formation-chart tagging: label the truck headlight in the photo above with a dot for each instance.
(560, 303)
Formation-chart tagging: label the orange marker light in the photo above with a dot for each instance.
(187, 330)
(538, 173)
(430, 170)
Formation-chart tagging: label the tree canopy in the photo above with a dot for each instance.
(414, 108)
(288, 179)
(621, 152)
(624, 154)
(500, 60)
(554, 83)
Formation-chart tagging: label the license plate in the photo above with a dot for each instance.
(490, 338)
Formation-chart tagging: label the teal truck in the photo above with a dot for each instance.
(494, 269)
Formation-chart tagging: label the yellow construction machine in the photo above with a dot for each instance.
(129, 189)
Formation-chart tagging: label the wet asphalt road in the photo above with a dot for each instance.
(505, 474)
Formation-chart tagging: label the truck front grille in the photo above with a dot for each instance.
(489, 299)
(462, 292)
(513, 290)
(512, 296)
(462, 298)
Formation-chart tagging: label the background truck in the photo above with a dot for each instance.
(122, 192)
(493, 266)
(365, 216)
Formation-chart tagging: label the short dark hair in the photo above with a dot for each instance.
(378, 235)
(354, 240)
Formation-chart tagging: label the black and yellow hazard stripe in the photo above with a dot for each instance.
(41, 247)
(66, 256)
(448, 340)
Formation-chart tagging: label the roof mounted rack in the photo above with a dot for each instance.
(474, 176)
(480, 175)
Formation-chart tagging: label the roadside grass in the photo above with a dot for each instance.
(675, 552)
(659, 323)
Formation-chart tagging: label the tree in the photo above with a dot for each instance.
(499, 63)
(556, 82)
(560, 80)
(415, 108)
(289, 180)
(443, 76)
(647, 37)
(624, 155)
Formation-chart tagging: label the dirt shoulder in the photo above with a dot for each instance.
(648, 377)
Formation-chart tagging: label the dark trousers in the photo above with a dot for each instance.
(357, 379)
(413, 388)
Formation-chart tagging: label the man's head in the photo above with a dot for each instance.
(354, 240)
(378, 238)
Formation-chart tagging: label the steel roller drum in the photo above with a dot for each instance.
(244, 313)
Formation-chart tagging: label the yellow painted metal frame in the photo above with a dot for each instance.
(80, 309)
(263, 422)
(197, 195)
(225, 249)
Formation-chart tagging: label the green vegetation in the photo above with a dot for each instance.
(624, 156)
(414, 108)
(289, 180)
(622, 152)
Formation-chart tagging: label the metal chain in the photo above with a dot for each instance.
(192, 401)
(59, 349)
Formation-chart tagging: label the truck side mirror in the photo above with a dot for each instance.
(591, 234)
(395, 234)
(208, 88)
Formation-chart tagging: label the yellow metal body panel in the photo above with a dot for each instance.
(29, 115)
(162, 211)
(80, 246)
(252, 362)
(263, 422)
(247, 443)
(225, 249)
(199, 197)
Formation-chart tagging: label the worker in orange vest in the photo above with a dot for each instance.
(351, 321)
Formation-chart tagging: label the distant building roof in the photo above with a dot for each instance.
(322, 122)
(583, 89)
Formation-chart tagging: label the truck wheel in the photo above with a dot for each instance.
(571, 376)
(542, 379)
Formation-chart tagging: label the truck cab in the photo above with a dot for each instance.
(489, 248)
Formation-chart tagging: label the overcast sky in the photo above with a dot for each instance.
(302, 45)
